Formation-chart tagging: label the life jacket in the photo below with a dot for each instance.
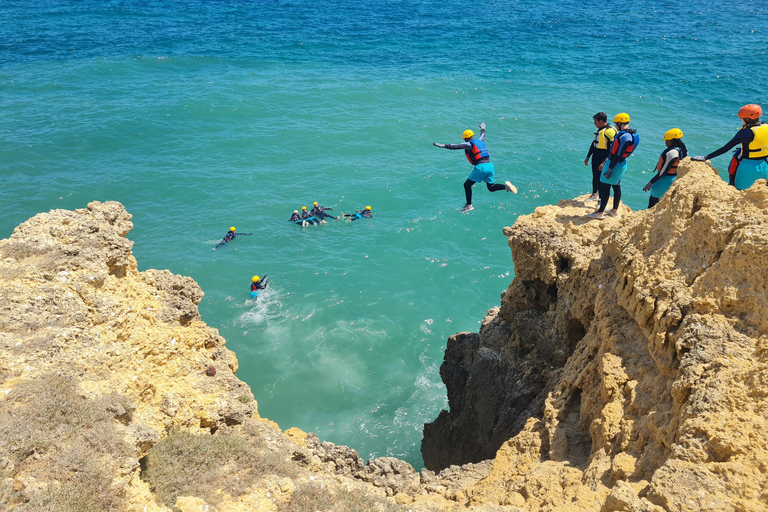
(672, 169)
(758, 148)
(295, 216)
(477, 152)
(628, 149)
(255, 287)
(735, 161)
(603, 137)
(229, 236)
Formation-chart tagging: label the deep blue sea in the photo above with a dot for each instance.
(201, 115)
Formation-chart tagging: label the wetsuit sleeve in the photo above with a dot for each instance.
(482, 134)
(668, 158)
(591, 150)
(463, 145)
(743, 136)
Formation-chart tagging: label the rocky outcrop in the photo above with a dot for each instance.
(626, 368)
(100, 363)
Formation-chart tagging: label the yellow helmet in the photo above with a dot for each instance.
(303, 207)
(468, 134)
(674, 133)
(621, 118)
(314, 204)
(232, 228)
(255, 279)
(368, 208)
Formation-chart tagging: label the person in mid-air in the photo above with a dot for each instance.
(753, 137)
(482, 168)
(231, 234)
(258, 284)
(599, 150)
(624, 144)
(360, 214)
(320, 212)
(666, 169)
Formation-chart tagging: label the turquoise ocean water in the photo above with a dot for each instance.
(201, 115)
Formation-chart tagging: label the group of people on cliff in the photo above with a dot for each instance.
(613, 145)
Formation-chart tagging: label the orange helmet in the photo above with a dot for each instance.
(751, 111)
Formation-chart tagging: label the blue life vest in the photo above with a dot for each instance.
(477, 152)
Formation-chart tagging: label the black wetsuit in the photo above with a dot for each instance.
(599, 155)
(744, 136)
(320, 212)
(231, 236)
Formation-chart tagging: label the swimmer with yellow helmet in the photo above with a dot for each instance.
(624, 144)
(321, 212)
(666, 168)
(258, 284)
(308, 218)
(482, 168)
(360, 214)
(753, 137)
(231, 234)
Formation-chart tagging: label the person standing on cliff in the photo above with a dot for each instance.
(667, 166)
(624, 144)
(599, 150)
(753, 137)
(482, 168)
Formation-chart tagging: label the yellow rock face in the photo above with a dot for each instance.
(626, 368)
(662, 402)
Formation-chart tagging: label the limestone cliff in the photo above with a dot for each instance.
(627, 366)
(114, 395)
(625, 369)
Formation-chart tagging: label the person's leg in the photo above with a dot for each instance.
(605, 194)
(616, 196)
(468, 190)
(652, 201)
(495, 187)
(595, 176)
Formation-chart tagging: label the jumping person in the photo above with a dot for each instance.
(624, 144)
(360, 214)
(320, 212)
(258, 284)
(753, 137)
(599, 150)
(482, 168)
(667, 166)
(231, 234)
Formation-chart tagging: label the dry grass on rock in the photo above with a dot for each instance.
(59, 451)
(208, 465)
